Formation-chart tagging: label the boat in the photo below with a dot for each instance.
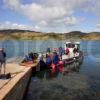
(72, 56)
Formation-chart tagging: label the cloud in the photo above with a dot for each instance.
(97, 25)
(51, 13)
(37, 11)
(10, 25)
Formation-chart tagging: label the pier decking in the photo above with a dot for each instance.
(14, 88)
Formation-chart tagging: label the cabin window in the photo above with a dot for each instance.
(70, 45)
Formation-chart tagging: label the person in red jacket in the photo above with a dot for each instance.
(67, 51)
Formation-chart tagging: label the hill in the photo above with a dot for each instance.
(26, 34)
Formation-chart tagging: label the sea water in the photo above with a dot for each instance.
(84, 84)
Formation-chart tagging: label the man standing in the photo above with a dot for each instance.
(2, 60)
(60, 51)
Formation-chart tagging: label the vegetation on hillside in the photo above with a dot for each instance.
(25, 34)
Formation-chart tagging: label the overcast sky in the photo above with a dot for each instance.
(50, 15)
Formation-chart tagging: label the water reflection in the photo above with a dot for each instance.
(54, 72)
(60, 83)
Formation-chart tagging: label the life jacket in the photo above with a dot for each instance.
(60, 65)
(67, 51)
(53, 68)
(60, 62)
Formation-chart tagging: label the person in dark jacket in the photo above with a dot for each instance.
(30, 55)
(48, 50)
(2, 60)
(41, 64)
(48, 59)
(55, 58)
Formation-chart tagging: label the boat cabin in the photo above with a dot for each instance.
(72, 45)
(72, 48)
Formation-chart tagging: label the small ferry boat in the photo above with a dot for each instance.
(72, 55)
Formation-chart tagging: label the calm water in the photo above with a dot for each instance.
(20, 48)
(84, 84)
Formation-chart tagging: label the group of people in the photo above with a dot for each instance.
(30, 57)
(50, 59)
(54, 57)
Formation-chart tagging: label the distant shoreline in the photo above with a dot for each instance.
(32, 35)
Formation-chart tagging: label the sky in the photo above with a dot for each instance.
(50, 15)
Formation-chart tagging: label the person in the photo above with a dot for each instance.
(55, 49)
(40, 57)
(60, 51)
(77, 47)
(41, 64)
(48, 50)
(26, 59)
(55, 58)
(2, 60)
(48, 59)
(74, 51)
(67, 51)
(30, 55)
(35, 56)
